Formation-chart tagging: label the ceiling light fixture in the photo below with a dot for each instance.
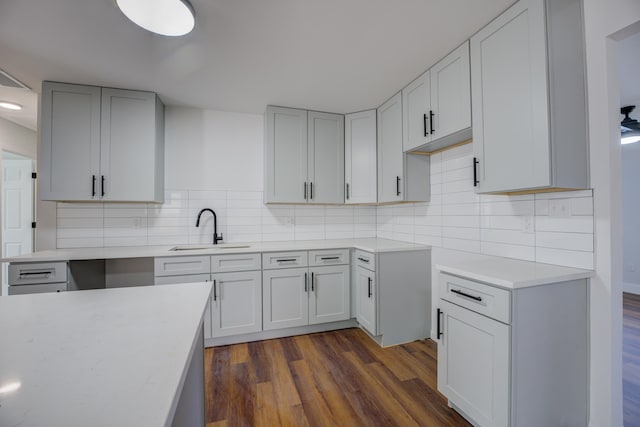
(10, 105)
(164, 17)
(629, 128)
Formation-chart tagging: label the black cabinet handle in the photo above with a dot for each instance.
(102, 186)
(328, 258)
(286, 260)
(305, 190)
(35, 273)
(93, 186)
(347, 192)
(439, 334)
(311, 190)
(459, 292)
(424, 123)
(397, 185)
(215, 292)
(475, 172)
(305, 282)
(363, 260)
(312, 280)
(369, 285)
(431, 114)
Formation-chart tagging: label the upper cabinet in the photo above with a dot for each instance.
(437, 105)
(528, 100)
(100, 144)
(401, 177)
(360, 158)
(304, 156)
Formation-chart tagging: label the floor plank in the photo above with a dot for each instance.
(631, 360)
(326, 379)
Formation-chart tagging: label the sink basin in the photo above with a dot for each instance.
(205, 247)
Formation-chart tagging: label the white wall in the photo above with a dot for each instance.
(631, 211)
(603, 21)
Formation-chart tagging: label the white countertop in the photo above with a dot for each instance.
(369, 245)
(108, 357)
(511, 273)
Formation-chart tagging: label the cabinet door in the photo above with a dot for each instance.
(326, 157)
(130, 151)
(329, 299)
(366, 300)
(237, 303)
(285, 298)
(390, 155)
(416, 117)
(191, 278)
(451, 94)
(69, 141)
(360, 159)
(475, 381)
(285, 155)
(510, 101)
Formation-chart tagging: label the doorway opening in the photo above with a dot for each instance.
(18, 208)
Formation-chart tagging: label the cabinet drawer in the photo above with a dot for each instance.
(328, 257)
(175, 266)
(37, 272)
(365, 259)
(37, 289)
(484, 299)
(284, 260)
(239, 262)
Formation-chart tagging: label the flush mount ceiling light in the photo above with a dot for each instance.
(165, 17)
(10, 105)
(629, 128)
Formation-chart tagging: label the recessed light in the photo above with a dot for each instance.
(10, 105)
(164, 17)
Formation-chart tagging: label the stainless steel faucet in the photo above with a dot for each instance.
(216, 238)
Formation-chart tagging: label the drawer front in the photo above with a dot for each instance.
(179, 265)
(328, 257)
(190, 278)
(236, 262)
(37, 272)
(271, 260)
(484, 299)
(365, 259)
(37, 289)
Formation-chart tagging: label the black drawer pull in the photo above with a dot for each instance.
(475, 172)
(431, 114)
(305, 282)
(347, 191)
(312, 283)
(286, 260)
(456, 291)
(327, 258)
(397, 185)
(35, 273)
(93, 186)
(363, 260)
(440, 334)
(215, 293)
(369, 283)
(305, 190)
(102, 186)
(424, 122)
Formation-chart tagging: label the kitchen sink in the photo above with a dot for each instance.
(205, 247)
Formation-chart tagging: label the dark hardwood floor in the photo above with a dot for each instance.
(631, 360)
(339, 378)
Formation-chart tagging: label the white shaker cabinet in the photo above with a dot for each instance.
(236, 306)
(437, 105)
(528, 99)
(366, 299)
(401, 177)
(100, 144)
(304, 156)
(329, 299)
(360, 157)
(285, 298)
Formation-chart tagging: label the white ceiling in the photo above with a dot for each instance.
(329, 55)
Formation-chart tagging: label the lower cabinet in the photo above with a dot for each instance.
(191, 278)
(236, 306)
(366, 299)
(305, 296)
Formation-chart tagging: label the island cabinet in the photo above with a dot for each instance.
(305, 288)
(360, 158)
(513, 357)
(393, 295)
(437, 105)
(101, 144)
(401, 177)
(528, 99)
(304, 156)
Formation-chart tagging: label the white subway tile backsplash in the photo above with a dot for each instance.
(569, 241)
(573, 224)
(527, 253)
(576, 259)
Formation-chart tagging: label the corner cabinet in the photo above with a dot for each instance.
(101, 144)
(528, 99)
(401, 177)
(304, 156)
(437, 105)
(360, 158)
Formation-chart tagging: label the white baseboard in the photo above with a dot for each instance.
(633, 288)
